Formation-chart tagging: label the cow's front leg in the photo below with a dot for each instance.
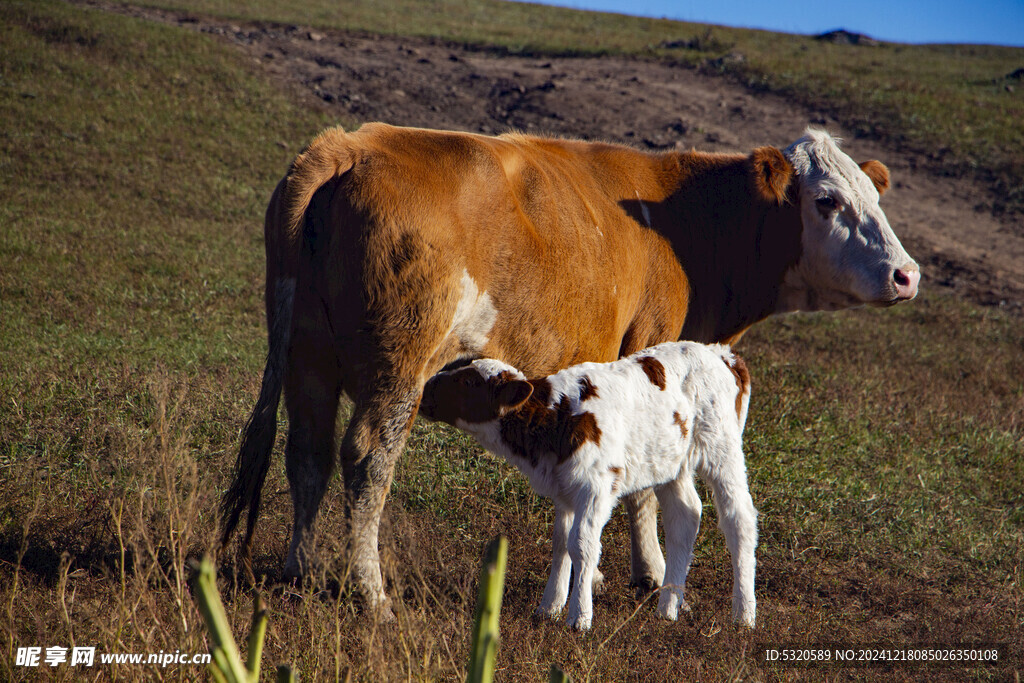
(659, 324)
(374, 440)
(647, 565)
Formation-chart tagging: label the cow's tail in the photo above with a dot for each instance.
(326, 158)
(261, 429)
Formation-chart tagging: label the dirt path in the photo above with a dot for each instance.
(415, 82)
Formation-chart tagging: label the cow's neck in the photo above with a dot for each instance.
(734, 249)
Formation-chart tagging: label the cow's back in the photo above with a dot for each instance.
(535, 228)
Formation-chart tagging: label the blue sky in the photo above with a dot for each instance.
(999, 22)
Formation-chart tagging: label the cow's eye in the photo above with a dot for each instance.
(826, 204)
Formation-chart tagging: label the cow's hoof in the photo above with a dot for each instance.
(644, 587)
(292, 586)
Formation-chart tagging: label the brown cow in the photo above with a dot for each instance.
(395, 252)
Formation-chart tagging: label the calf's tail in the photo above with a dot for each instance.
(741, 375)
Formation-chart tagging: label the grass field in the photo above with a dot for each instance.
(885, 448)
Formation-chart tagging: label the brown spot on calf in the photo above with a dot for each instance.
(541, 390)
(535, 428)
(587, 389)
(681, 423)
(617, 474)
(654, 370)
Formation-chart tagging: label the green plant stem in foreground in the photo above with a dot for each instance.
(227, 661)
(488, 608)
(256, 633)
(556, 675)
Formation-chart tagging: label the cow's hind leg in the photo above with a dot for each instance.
(312, 389)
(376, 435)
(402, 328)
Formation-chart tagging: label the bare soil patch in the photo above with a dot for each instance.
(943, 221)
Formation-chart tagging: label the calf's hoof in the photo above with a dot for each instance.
(670, 606)
(580, 623)
(744, 615)
(384, 615)
(380, 607)
(546, 613)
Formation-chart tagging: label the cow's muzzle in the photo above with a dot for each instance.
(906, 280)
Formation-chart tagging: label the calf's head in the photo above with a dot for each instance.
(849, 254)
(478, 393)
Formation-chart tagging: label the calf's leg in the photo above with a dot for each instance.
(557, 590)
(681, 510)
(591, 514)
(737, 519)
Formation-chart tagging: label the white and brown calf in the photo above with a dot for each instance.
(594, 432)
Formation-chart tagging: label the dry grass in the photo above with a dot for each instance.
(885, 447)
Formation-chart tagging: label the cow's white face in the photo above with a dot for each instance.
(850, 254)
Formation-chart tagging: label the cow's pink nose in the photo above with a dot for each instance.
(906, 279)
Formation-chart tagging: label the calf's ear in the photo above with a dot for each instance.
(772, 173)
(879, 174)
(513, 394)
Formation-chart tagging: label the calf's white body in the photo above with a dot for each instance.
(594, 432)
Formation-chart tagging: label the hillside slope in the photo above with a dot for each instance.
(944, 221)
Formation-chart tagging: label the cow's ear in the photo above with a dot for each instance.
(879, 174)
(772, 173)
(513, 394)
